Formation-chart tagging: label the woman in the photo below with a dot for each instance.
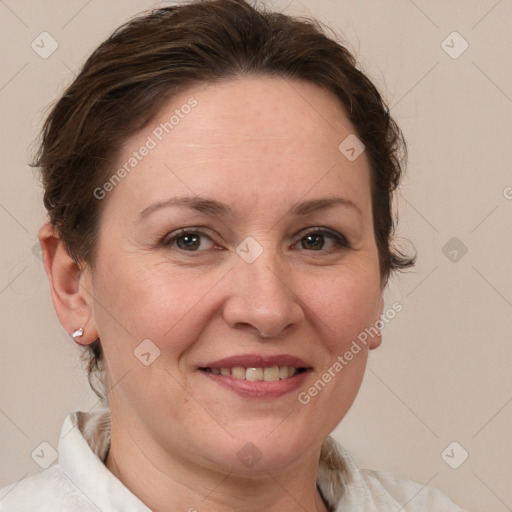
(219, 183)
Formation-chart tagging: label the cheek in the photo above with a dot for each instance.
(150, 301)
(347, 305)
(145, 328)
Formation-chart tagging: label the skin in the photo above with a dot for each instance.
(260, 145)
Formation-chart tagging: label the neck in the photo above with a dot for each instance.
(165, 483)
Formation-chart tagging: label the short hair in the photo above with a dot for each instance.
(128, 78)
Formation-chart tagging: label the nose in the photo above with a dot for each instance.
(261, 298)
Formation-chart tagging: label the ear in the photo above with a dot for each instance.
(69, 286)
(376, 340)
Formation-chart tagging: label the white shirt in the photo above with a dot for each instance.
(80, 481)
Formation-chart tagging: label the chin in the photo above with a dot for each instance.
(267, 446)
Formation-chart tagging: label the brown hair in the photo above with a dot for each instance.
(144, 62)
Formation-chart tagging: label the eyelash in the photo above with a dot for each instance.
(339, 240)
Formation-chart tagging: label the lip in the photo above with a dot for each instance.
(257, 361)
(258, 389)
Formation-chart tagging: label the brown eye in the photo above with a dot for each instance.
(189, 241)
(315, 240)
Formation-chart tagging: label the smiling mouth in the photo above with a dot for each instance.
(254, 374)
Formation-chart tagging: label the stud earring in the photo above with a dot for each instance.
(78, 333)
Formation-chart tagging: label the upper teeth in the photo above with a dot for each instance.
(270, 374)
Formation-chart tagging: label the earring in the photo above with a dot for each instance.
(78, 333)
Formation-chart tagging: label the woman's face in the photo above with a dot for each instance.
(241, 166)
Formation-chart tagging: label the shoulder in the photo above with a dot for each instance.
(48, 491)
(411, 495)
(346, 488)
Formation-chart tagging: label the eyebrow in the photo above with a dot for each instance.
(213, 207)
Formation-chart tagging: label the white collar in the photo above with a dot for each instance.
(85, 441)
(87, 471)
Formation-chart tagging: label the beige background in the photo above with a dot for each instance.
(443, 371)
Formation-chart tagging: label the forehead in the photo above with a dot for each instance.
(252, 139)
